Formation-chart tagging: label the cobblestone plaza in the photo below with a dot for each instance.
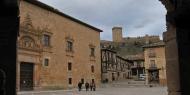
(105, 91)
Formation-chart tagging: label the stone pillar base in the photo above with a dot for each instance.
(174, 93)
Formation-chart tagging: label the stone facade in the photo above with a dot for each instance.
(155, 62)
(50, 41)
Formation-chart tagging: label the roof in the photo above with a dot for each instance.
(106, 49)
(137, 57)
(47, 7)
(157, 44)
(125, 59)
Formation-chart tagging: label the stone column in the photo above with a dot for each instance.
(18, 76)
(177, 40)
(171, 50)
(146, 80)
(183, 40)
(172, 62)
(137, 72)
(183, 37)
(143, 71)
(36, 76)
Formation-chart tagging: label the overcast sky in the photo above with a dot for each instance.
(137, 17)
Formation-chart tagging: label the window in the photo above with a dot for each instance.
(151, 53)
(69, 46)
(46, 62)
(152, 64)
(134, 71)
(46, 40)
(93, 81)
(135, 63)
(69, 66)
(82, 80)
(92, 51)
(70, 80)
(118, 74)
(92, 69)
(138, 64)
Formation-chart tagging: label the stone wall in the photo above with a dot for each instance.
(63, 29)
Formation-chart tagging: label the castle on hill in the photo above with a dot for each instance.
(128, 46)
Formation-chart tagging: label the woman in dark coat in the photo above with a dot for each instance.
(87, 86)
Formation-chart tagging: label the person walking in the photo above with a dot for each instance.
(79, 86)
(87, 86)
(94, 86)
(91, 86)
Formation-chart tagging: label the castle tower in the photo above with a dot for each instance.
(117, 34)
(147, 40)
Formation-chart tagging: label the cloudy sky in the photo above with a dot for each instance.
(137, 17)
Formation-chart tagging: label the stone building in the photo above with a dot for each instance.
(55, 51)
(155, 63)
(114, 67)
(137, 66)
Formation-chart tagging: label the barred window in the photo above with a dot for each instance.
(46, 62)
(152, 64)
(69, 66)
(69, 46)
(92, 69)
(92, 51)
(152, 53)
(46, 40)
(70, 80)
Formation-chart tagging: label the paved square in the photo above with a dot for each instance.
(105, 91)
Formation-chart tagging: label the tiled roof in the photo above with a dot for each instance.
(139, 56)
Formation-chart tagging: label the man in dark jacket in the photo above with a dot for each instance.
(79, 86)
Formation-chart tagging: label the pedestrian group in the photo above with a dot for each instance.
(91, 85)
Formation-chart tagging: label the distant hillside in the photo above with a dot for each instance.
(143, 40)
